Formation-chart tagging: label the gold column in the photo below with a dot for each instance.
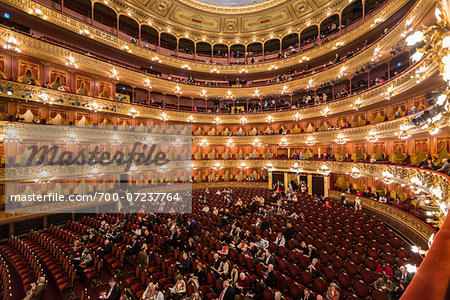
(309, 183)
(286, 181)
(270, 180)
(326, 185)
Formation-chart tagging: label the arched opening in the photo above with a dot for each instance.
(254, 49)
(204, 49)
(105, 15)
(329, 26)
(168, 41)
(237, 51)
(149, 35)
(309, 35)
(186, 46)
(272, 46)
(351, 13)
(220, 50)
(290, 42)
(371, 5)
(82, 7)
(128, 26)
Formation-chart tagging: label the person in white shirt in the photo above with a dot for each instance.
(158, 293)
(280, 240)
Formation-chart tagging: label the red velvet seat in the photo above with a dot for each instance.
(306, 278)
(361, 290)
(378, 295)
(320, 285)
(344, 281)
(367, 276)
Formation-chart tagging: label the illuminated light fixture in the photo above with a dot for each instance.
(11, 44)
(71, 139)
(376, 22)
(94, 106)
(256, 143)
(229, 95)
(389, 93)
(372, 136)
(114, 74)
(417, 56)
(11, 136)
(243, 165)
(290, 30)
(269, 166)
(269, 119)
(256, 93)
(342, 71)
(169, 30)
(357, 104)
(164, 117)
(338, 44)
(355, 172)
(71, 62)
(254, 39)
(310, 141)
(133, 112)
(215, 70)
(308, 24)
(147, 83)
(376, 54)
(106, 2)
(273, 67)
(414, 38)
(326, 111)
(284, 142)
(186, 35)
(403, 132)
(303, 59)
(285, 90)
(37, 12)
(441, 99)
(156, 59)
(186, 66)
(340, 140)
(310, 84)
(126, 49)
(115, 140)
(178, 90)
(324, 170)
(243, 71)
(204, 143)
(203, 38)
(243, 120)
(217, 120)
(446, 42)
(419, 74)
(190, 119)
(203, 94)
(296, 167)
(387, 177)
(297, 117)
(438, 14)
(230, 143)
(86, 32)
(217, 166)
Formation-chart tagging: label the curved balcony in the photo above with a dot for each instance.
(419, 10)
(399, 84)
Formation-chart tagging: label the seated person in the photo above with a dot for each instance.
(113, 293)
(179, 289)
(185, 264)
(37, 290)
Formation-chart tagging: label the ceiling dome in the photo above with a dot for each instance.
(232, 2)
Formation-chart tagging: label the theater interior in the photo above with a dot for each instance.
(224, 149)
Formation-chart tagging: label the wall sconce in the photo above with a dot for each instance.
(72, 139)
(215, 70)
(230, 143)
(133, 112)
(147, 83)
(256, 143)
(340, 140)
(190, 119)
(203, 94)
(164, 117)
(297, 117)
(71, 62)
(11, 44)
(283, 142)
(256, 93)
(186, 67)
(178, 90)
(204, 143)
(229, 95)
(326, 111)
(11, 136)
(285, 90)
(324, 170)
(269, 119)
(387, 177)
(355, 172)
(310, 141)
(389, 93)
(126, 49)
(243, 165)
(243, 120)
(217, 121)
(403, 132)
(357, 104)
(372, 136)
(114, 74)
(115, 140)
(86, 32)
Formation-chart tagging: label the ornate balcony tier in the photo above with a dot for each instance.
(400, 84)
(416, 14)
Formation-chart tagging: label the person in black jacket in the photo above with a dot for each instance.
(307, 295)
(227, 292)
(114, 291)
(270, 278)
(106, 248)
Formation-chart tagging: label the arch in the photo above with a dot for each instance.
(272, 46)
(289, 40)
(237, 51)
(309, 34)
(351, 13)
(186, 46)
(168, 41)
(329, 26)
(370, 5)
(149, 35)
(82, 7)
(128, 26)
(105, 15)
(204, 48)
(220, 50)
(254, 49)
